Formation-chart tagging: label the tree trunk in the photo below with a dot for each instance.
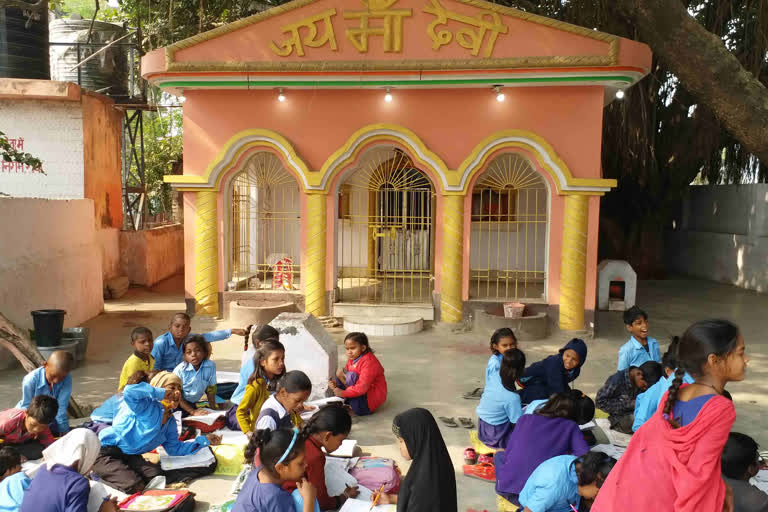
(15, 340)
(705, 67)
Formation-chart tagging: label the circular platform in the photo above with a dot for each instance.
(384, 326)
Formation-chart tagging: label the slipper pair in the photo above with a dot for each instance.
(482, 471)
(451, 422)
(475, 394)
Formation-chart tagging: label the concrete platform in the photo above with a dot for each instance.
(384, 326)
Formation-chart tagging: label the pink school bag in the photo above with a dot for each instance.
(373, 472)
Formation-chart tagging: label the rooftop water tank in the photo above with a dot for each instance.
(106, 73)
(24, 49)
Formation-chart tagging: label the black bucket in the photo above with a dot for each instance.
(49, 325)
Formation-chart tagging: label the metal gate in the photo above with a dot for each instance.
(384, 232)
(265, 227)
(508, 237)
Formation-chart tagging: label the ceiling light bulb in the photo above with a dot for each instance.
(281, 96)
(620, 94)
(388, 96)
(500, 96)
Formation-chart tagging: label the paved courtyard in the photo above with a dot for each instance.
(433, 369)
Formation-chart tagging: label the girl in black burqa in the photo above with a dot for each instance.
(430, 485)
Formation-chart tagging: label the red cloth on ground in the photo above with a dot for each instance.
(12, 428)
(315, 458)
(672, 469)
(371, 381)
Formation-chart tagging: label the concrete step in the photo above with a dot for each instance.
(384, 326)
(357, 310)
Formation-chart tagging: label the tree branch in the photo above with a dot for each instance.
(705, 67)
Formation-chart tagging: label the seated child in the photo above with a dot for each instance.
(28, 431)
(552, 430)
(617, 396)
(325, 430)
(14, 482)
(740, 462)
(281, 409)
(640, 348)
(167, 349)
(503, 339)
(269, 367)
(197, 374)
(144, 422)
(361, 383)
(282, 458)
(265, 333)
(499, 407)
(59, 484)
(647, 402)
(430, 483)
(561, 483)
(103, 415)
(553, 374)
(141, 359)
(51, 379)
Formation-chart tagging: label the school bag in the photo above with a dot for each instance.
(375, 472)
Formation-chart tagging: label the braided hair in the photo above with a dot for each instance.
(271, 445)
(265, 349)
(698, 342)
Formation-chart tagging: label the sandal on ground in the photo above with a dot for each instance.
(485, 472)
(470, 456)
(449, 422)
(485, 459)
(466, 422)
(474, 394)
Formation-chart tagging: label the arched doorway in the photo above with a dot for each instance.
(385, 236)
(509, 231)
(264, 248)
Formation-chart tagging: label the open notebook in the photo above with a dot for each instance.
(365, 506)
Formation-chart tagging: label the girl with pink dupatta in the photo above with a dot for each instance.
(673, 460)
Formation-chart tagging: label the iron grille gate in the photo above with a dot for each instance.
(385, 235)
(509, 232)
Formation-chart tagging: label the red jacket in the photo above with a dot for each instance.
(315, 473)
(371, 381)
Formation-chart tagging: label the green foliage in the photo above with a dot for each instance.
(11, 154)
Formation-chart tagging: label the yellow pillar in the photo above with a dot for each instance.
(315, 255)
(451, 304)
(574, 263)
(206, 254)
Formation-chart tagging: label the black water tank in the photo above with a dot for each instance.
(24, 51)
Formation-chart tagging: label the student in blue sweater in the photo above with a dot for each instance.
(144, 422)
(500, 407)
(554, 373)
(14, 481)
(566, 483)
(197, 374)
(640, 347)
(167, 349)
(53, 379)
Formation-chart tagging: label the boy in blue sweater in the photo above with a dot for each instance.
(640, 347)
(51, 379)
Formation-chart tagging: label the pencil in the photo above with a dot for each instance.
(573, 508)
(376, 499)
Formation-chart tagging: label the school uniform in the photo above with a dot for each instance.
(553, 486)
(315, 473)
(746, 497)
(12, 433)
(273, 416)
(247, 412)
(35, 383)
(534, 406)
(548, 376)
(497, 412)
(134, 364)
(246, 370)
(168, 356)
(617, 398)
(106, 412)
(493, 366)
(137, 429)
(648, 401)
(12, 489)
(59, 489)
(633, 353)
(365, 388)
(196, 382)
(258, 497)
(535, 439)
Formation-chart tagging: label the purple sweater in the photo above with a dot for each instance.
(534, 440)
(60, 489)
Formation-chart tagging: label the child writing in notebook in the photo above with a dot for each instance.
(551, 430)
(324, 431)
(197, 374)
(248, 365)
(554, 373)
(618, 394)
(499, 407)
(361, 383)
(676, 454)
(281, 410)
(430, 484)
(562, 483)
(283, 459)
(269, 368)
(28, 431)
(141, 359)
(53, 379)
